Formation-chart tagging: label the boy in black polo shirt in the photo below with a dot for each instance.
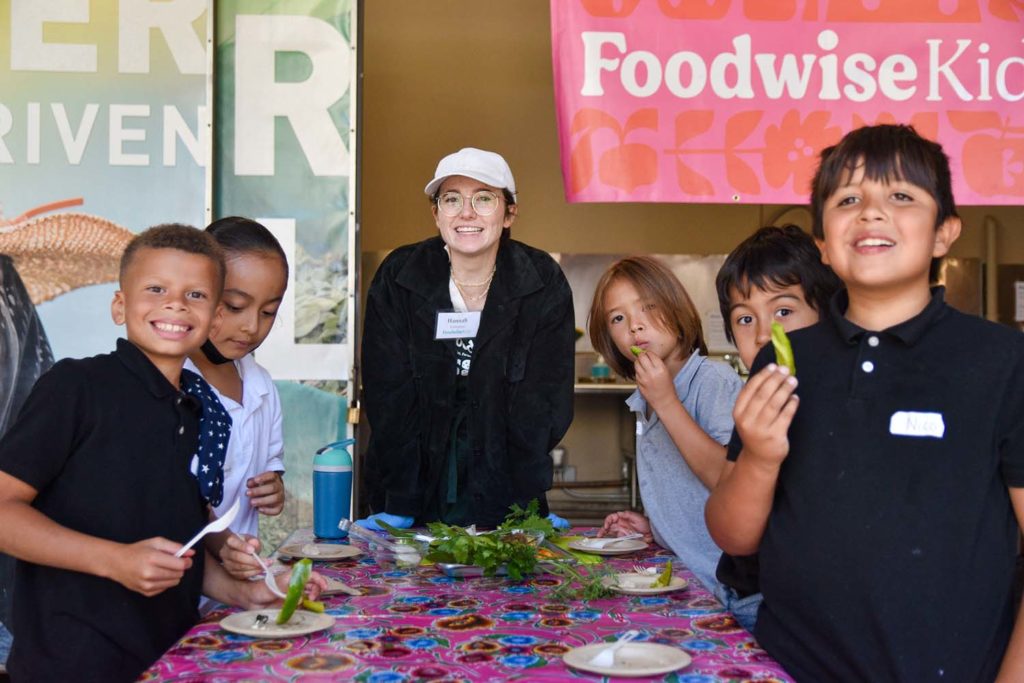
(96, 495)
(885, 508)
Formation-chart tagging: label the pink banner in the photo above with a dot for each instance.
(732, 100)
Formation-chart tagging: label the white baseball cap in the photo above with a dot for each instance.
(487, 167)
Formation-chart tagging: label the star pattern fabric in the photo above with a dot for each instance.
(214, 432)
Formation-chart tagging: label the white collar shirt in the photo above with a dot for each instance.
(257, 441)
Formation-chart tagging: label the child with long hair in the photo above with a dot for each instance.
(644, 323)
(254, 286)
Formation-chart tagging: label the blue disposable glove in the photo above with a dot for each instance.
(397, 521)
(557, 521)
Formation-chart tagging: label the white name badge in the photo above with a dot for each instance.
(910, 423)
(454, 325)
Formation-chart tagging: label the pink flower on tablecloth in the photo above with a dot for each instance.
(480, 646)
(475, 658)
(320, 662)
(408, 631)
(203, 642)
(464, 623)
(554, 608)
(272, 645)
(792, 148)
(718, 623)
(361, 646)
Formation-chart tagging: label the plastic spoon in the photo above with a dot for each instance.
(606, 657)
(268, 578)
(219, 524)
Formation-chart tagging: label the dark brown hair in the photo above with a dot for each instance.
(238, 235)
(673, 308)
(775, 257)
(176, 236)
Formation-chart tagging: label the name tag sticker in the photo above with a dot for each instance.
(910, 423)
(454, 325)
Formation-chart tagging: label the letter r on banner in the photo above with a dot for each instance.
(259, 98)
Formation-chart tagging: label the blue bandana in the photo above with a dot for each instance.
(214, 432)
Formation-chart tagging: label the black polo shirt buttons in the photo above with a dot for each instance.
(872, 340)
(867, 366)
(181, 429)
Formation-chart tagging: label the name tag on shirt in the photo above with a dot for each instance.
(455, 325)
(910, 423)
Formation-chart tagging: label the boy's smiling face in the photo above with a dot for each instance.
(751, 316)
(880, 236)
(167, 302)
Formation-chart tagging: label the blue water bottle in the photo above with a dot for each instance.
(332, 488)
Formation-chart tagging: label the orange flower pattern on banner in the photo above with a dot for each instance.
(899, 11)
(609, 8)
(993, 156)
(626, 166)
(694, 9)
(859, 11)
(791, 148)
(1011, 10)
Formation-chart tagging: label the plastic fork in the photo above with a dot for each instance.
(606, 657)
(645, 571)
(268, 578)
(219, 524)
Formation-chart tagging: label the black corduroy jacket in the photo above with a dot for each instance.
(520, 382)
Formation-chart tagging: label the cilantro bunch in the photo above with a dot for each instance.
(490, 551)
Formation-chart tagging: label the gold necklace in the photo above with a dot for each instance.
(460, 284)
(476, 297)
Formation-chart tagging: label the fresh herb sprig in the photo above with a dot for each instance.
(528, 519)
(579, 584)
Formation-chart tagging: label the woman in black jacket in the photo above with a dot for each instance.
(468, 359)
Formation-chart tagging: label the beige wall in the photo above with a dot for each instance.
(495, 57)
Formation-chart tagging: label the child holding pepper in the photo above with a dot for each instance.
(895, 481)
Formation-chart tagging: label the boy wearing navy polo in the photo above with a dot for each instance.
(885, 501)
(96, 495)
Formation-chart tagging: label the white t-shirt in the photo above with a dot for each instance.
(257, 441)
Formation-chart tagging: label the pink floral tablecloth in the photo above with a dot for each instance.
(420, 625)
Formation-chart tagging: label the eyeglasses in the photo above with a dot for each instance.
(484, 202)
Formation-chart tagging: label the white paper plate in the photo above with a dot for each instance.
(632, 659)
(301, 623)
(620, 548)
(319, 551)
(640, 584)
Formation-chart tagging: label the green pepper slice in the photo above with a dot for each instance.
(296, 584)
(665, 578)
(636, 350)
(312, 605)
(783, 349)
